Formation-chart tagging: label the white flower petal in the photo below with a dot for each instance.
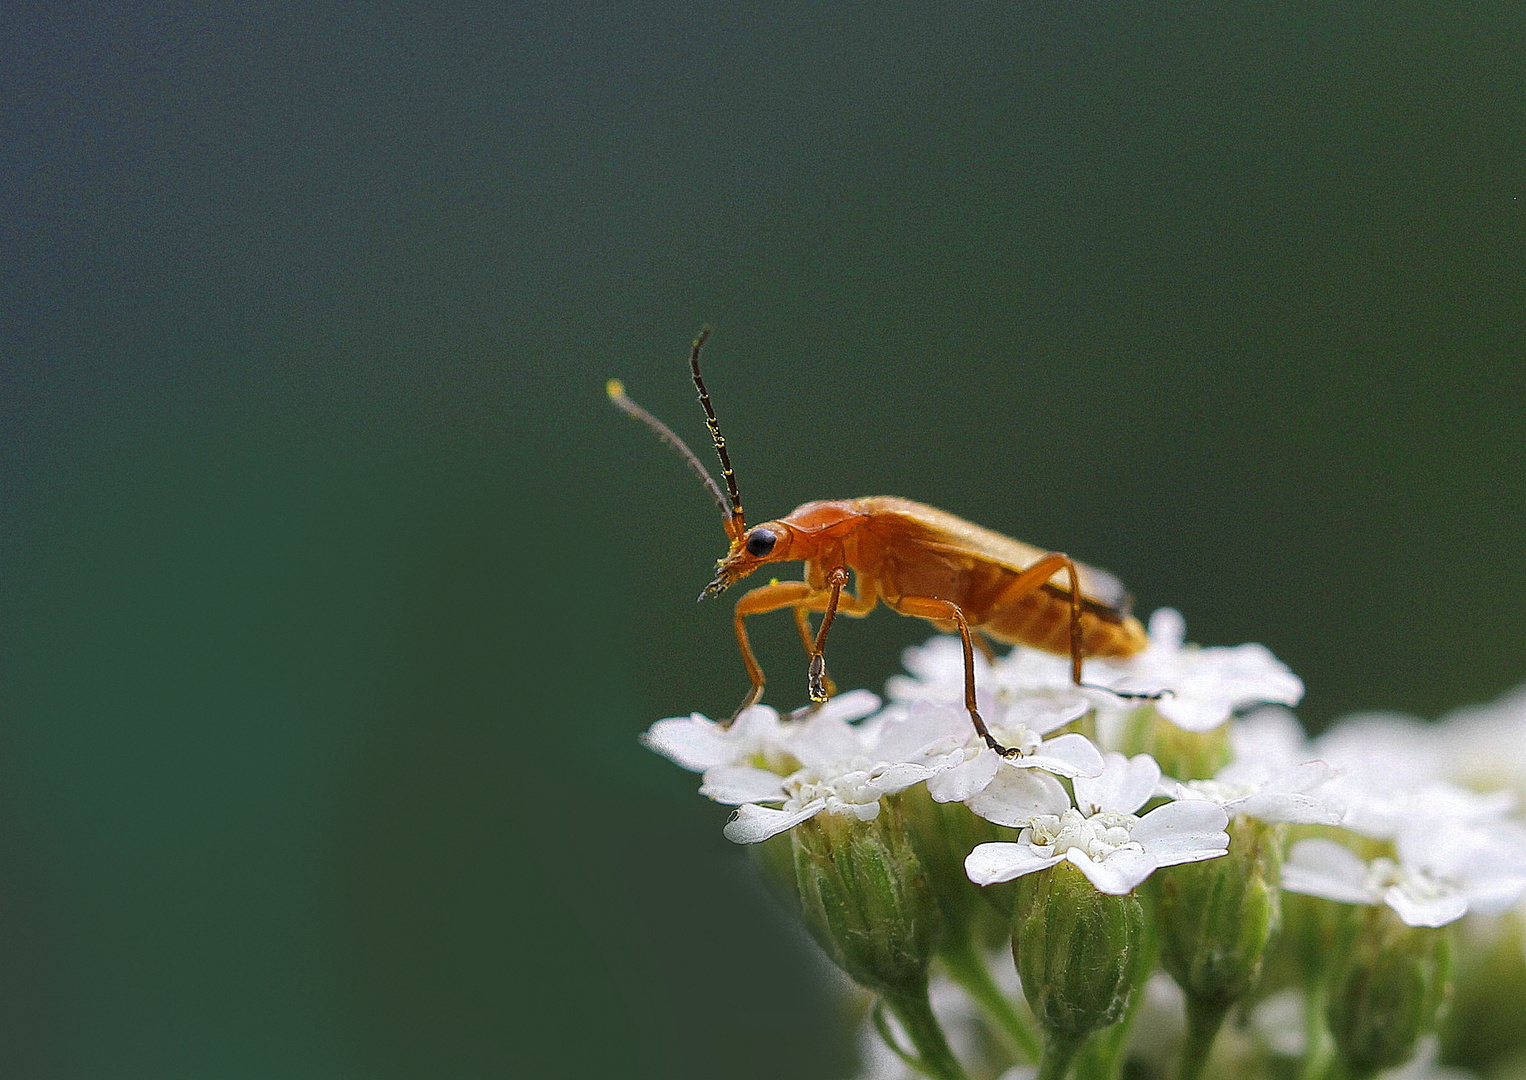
(850, 706)
(1042, 711)
(754, 824)
(1324, 868)
(899, 776)
(737, 784)
(1065, 755)
(1493, 894)
(1425, 907)
(1168, 628)
(1267, 740)
(1181, 832)
(922, 729)
(1290, 796)
(1217, 681)
(964, 781)
(1124, 785)
(693, 742)
(992, 863)
(862, 811)
(1289, 807)
(823, 739)
(1117, 873)
(1014, 797)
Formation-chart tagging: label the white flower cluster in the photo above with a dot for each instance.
(1389, 811)
(779, 773)
(1454, 849)
(1386, 778)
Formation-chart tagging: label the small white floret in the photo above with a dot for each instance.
(1206, 685)
(1103, 837)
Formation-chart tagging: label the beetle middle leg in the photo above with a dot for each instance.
(804, 598)
(780, 594)
(808, 643)
(818, 686)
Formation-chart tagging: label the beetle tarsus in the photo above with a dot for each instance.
(1008, 752)
(818, 684)
(1131, 695)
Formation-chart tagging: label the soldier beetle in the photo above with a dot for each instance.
(915, 559)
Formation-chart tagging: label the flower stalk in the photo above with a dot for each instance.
(967, 967)
(1217, 918)
(933, 1057)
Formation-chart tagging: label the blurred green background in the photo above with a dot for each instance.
(333, 594)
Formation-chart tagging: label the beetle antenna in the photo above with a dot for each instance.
(738, 520)
(616, 390)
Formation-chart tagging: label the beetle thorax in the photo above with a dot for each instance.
(834, 518)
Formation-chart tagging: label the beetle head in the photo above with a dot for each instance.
(765, 543)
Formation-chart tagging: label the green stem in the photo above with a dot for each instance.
(966, 967)
(1204, 1018)
(1059, 1052)
(1319, 1049)
(933, 1054)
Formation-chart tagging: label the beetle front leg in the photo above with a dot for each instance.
(757, 602)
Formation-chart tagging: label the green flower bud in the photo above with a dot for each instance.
(1080, 952)
(1310, 940)
(865, 897)
(1186, 755)
(1217, 916)
(1387, 989)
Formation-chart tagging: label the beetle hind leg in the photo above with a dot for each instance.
(927, 607)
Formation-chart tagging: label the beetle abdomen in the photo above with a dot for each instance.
(1041, 620)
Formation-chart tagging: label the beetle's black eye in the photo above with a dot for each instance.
(760, 542)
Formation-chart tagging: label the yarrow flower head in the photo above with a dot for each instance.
(1207, 685)
(980, 776)
(1102, 834)
(1444, 868)
(833, 768)
(885, 876)
(1270, 776)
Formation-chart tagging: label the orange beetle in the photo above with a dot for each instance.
(918, 560)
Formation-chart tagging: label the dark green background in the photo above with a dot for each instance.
(334, 594)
